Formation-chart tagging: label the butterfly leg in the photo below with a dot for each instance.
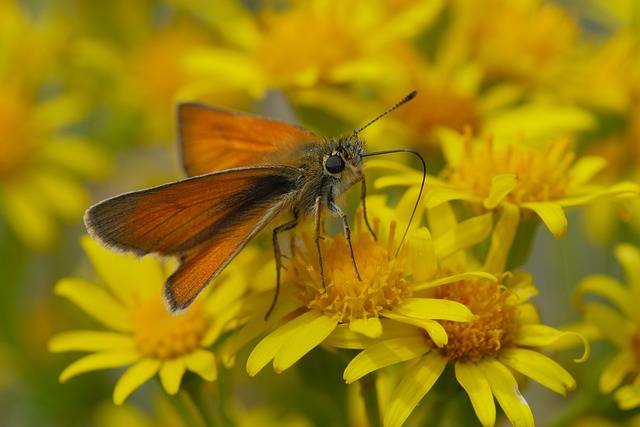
(363, 195)
(278, 256)
(347, 233)
(317, 237)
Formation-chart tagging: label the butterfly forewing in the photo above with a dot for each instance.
(213, 140)
(174, 218)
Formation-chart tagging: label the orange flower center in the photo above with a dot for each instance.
(164, 336)
(542, 176)
(495, 326)
(382, 286)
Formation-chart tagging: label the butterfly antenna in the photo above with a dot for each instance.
(424, 176)
(403, 101)
(400, 103)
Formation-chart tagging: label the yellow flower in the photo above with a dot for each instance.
(619, 323)
(275, 48)
(140, 332)
(538, 38)
(139, 73)
(503, 337)
(382, 303)
(489, 175)
(40, 163)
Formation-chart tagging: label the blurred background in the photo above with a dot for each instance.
(87, 111)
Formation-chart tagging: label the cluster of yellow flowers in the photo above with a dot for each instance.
(528, 113)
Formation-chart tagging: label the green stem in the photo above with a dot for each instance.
(369, 395)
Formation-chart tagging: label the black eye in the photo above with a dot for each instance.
(334, 164)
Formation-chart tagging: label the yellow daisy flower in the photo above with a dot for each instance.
(619, 322)
(40, 164)
(489, 175)
(382, 303)
(265, 50)
(503, 337)
(539, 38)
(140, 332)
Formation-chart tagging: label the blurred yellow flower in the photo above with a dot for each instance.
(141, 332)
(303, 44)
(619, 323)
(41, 163)
(530, 42)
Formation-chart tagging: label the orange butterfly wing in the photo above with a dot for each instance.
(213, 140)
(205, 220)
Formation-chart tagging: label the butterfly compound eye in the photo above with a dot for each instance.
(334, 164)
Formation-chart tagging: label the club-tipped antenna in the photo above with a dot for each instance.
(403, 101)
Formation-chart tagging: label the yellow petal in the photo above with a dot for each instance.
(539, 368)
(97, 361)
(538, 335)
(521, 284)
(502, 238)
(608, 288)
(432, 308)
(415, 384)
(501, 185)
(619, 190)
(472, 275)
(436, 196)
(422, 257)
(610, 322)
(171, 372)
(343, 337)
(203, 363)
(629, 257)
(552, 215)
(628, 397)
(464, 235)
(27, 218)
(125, 275)
(133, 378)
(96, 302)
(477, 387)
(60, 194)
(90, 341)
(300, 328)
(370, 327)
(585, 168)
(435, 330)
(616, 371)
(505, 388)
(383, 354)
(302, 341)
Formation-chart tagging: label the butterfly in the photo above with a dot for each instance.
(245, 172)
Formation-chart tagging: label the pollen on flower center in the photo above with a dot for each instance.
(542, 176)
(495, 326)
(161, 335)
(347, 298)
